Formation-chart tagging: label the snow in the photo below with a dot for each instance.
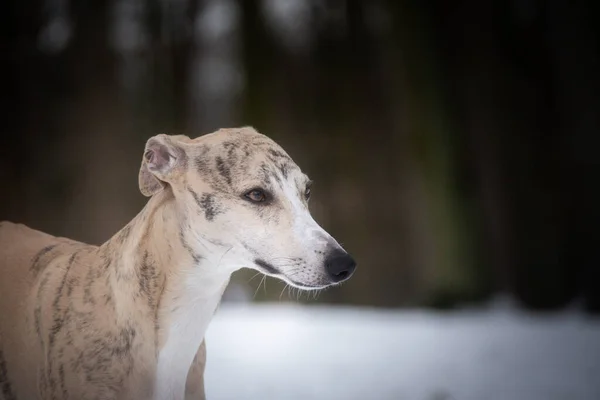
(290, 351)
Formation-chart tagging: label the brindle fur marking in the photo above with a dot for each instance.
(5, 386)
(37, 263)
(207, 204)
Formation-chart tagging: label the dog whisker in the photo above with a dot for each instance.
(282, 290)
(254, 276)
(258, 288)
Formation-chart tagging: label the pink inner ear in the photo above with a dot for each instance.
(157, 157)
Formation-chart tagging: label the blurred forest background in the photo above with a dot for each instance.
(454, 144)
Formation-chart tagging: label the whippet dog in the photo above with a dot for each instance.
(126, 320)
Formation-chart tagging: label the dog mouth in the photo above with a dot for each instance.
(270, 270)
(267, 268)
(304, 286)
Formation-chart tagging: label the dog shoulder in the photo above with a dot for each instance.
(15, 233)
(25, 251)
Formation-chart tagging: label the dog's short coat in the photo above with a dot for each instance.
(126, 320)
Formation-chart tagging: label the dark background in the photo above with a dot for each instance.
(454, 144)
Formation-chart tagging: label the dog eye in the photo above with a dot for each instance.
(307, 190)
(256, 195)
(307, 193)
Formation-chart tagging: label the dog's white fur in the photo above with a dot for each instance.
(126, 320)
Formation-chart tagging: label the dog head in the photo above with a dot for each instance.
(241, 199)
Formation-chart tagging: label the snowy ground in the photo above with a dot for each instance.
(287, 352)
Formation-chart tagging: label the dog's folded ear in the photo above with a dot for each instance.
(163, 160)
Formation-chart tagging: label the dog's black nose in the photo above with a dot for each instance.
(339, 265)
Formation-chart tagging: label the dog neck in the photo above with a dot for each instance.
(182, 289)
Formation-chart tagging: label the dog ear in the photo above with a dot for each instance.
(163, 159)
